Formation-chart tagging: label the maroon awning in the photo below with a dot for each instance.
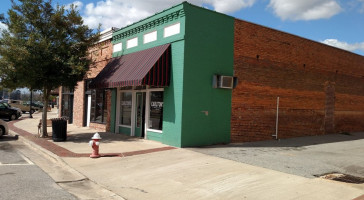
(147, 67)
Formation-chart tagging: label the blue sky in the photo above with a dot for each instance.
(338, 23)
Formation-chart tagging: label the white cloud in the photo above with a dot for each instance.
(304, 9)
(361, 3)
(229, 6)
(119, 13)
(344, 45)
(3, 26)
(77, 4)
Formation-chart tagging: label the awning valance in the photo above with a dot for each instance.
(147, 67)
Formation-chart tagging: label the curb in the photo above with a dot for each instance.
(359, 198)
(46, 153)
(51, 156)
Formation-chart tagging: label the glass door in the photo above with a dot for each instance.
(139, 127)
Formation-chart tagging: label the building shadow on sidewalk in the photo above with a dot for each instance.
(6, 138)
(297, 142)
(107, 137)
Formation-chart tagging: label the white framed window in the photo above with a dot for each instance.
(132, 43)
(117, 47)
(150, 37)
(172, 30)
(125, 108)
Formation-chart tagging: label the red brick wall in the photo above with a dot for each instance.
(78, 104)
(321, 88)
(97, 126)
(100, 55)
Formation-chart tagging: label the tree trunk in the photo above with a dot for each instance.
(46, 93)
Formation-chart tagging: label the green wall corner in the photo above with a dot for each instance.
(209, 50)
(172, 107)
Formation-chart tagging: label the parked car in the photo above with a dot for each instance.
(35, 105)
(22, 105)
(4, 130)
(18, 109)
(8, 112)
(39, 104)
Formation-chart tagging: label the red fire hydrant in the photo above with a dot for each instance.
(94, 143)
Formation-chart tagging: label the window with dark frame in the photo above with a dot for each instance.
(156, 111)
(125, 108)
(98, 106)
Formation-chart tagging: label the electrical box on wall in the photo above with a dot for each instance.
(225, 82)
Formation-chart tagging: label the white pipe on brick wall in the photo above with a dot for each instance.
(276, 135)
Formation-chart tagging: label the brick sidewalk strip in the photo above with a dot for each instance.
(359, 198)
(62, 152)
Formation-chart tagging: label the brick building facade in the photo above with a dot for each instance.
(321, 88)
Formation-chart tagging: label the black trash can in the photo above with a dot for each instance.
(59, 129)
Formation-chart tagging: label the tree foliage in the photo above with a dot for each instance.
(44, 47)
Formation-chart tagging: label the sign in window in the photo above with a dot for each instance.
(156, 110)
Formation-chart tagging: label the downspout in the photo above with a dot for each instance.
(276, 135)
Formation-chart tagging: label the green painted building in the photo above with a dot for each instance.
(162, 77)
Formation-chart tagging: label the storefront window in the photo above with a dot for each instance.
(98, 106)
(156, 110)
(125, 108)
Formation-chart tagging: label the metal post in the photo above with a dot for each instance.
(276, 135)
(30, 105)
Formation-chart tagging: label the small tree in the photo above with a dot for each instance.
(44, 47)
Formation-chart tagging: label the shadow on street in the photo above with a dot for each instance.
(297, 142)
(6, 138)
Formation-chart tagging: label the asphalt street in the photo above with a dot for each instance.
(20, 178)
(304, 156)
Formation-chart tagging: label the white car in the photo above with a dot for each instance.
(4, 130)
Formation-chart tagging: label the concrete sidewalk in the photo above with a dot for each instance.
(139, 169)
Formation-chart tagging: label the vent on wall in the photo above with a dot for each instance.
(226, 82)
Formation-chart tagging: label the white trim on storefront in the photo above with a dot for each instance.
(88, 115)
(117, 120)
(133, 107)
